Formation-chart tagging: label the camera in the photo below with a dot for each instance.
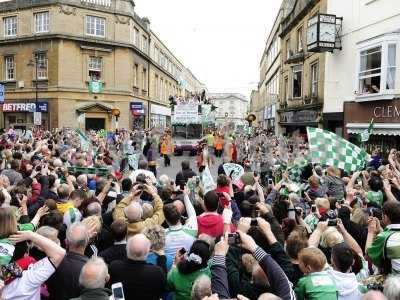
(233, 238)
(313, 208)
(332, 222)
(253, 222)
(298, 211)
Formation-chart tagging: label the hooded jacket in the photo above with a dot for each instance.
(211, 224)
(347, 285)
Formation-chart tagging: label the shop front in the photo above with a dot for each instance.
(160, 116)
(386, 116)
(269, 118)
(138, 115)
(298, 120)
(25, 115)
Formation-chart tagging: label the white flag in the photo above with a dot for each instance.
(235, 171)
(207, 180)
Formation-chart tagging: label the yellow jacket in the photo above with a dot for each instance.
(63, 207)
(137, 227)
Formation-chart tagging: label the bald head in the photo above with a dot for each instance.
(179, 206)
(373, 295)
(268, 296)
(77, 236)
(82, 180)
(94, 274)
(148, 210)
(93, 209)
(138, 247)
(133, 212)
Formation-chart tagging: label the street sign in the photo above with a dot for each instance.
(37, 118)
(1, 93)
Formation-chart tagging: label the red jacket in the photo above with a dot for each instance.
(36, 190)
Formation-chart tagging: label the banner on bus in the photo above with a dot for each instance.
(185, 114)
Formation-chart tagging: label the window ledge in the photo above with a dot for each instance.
(88, 81)
(374, 97)
(40, 80)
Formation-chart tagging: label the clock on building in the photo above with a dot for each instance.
(322, 33)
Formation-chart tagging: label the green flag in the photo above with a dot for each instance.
(327, 148)
(364, 136)
(95, 87)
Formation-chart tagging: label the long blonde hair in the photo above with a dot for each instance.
(8, 222)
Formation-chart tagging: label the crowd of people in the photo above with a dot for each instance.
(79, 220)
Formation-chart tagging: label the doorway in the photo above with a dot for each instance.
(95, 124)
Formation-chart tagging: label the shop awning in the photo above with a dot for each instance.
(379, 129)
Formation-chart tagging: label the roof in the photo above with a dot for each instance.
(222, 96)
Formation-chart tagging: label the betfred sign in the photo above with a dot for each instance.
(25, 107)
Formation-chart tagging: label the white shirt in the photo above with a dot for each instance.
(147, 173)
(27, 287)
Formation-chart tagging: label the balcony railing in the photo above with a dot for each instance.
(106, 3)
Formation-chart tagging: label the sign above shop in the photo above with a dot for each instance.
(380, 111)
(137, 108)
(25, 107)
(160, 110)
(301, 116)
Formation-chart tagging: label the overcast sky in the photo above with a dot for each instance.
(221, 41)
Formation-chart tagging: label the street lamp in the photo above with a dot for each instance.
(34, 63)
(116, 113)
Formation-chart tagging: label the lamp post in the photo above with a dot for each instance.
(116, 113)
(34, 63)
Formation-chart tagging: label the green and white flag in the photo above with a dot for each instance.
(85, 142)
(327, 148)
(297, 168)
(133, 160)
(364, 136)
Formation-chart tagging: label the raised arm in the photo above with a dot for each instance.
(191, 222)
(53, 251)
(348, 239)
(278, 281)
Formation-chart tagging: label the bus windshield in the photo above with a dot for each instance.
(189, 131)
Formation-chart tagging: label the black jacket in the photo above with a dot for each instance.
(183, 176)
(64, 283)
(95, 294)
(139, 279)
(115, 252)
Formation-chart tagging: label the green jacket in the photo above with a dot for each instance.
(316, 286)
(376, 250)
(181, 284)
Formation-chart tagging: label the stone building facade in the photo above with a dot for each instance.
(74, 61)
(301, 90)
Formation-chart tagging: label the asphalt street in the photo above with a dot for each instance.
(176, 166)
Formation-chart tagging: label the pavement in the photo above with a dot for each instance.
(176, 166)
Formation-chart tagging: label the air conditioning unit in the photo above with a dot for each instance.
(21, 84)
